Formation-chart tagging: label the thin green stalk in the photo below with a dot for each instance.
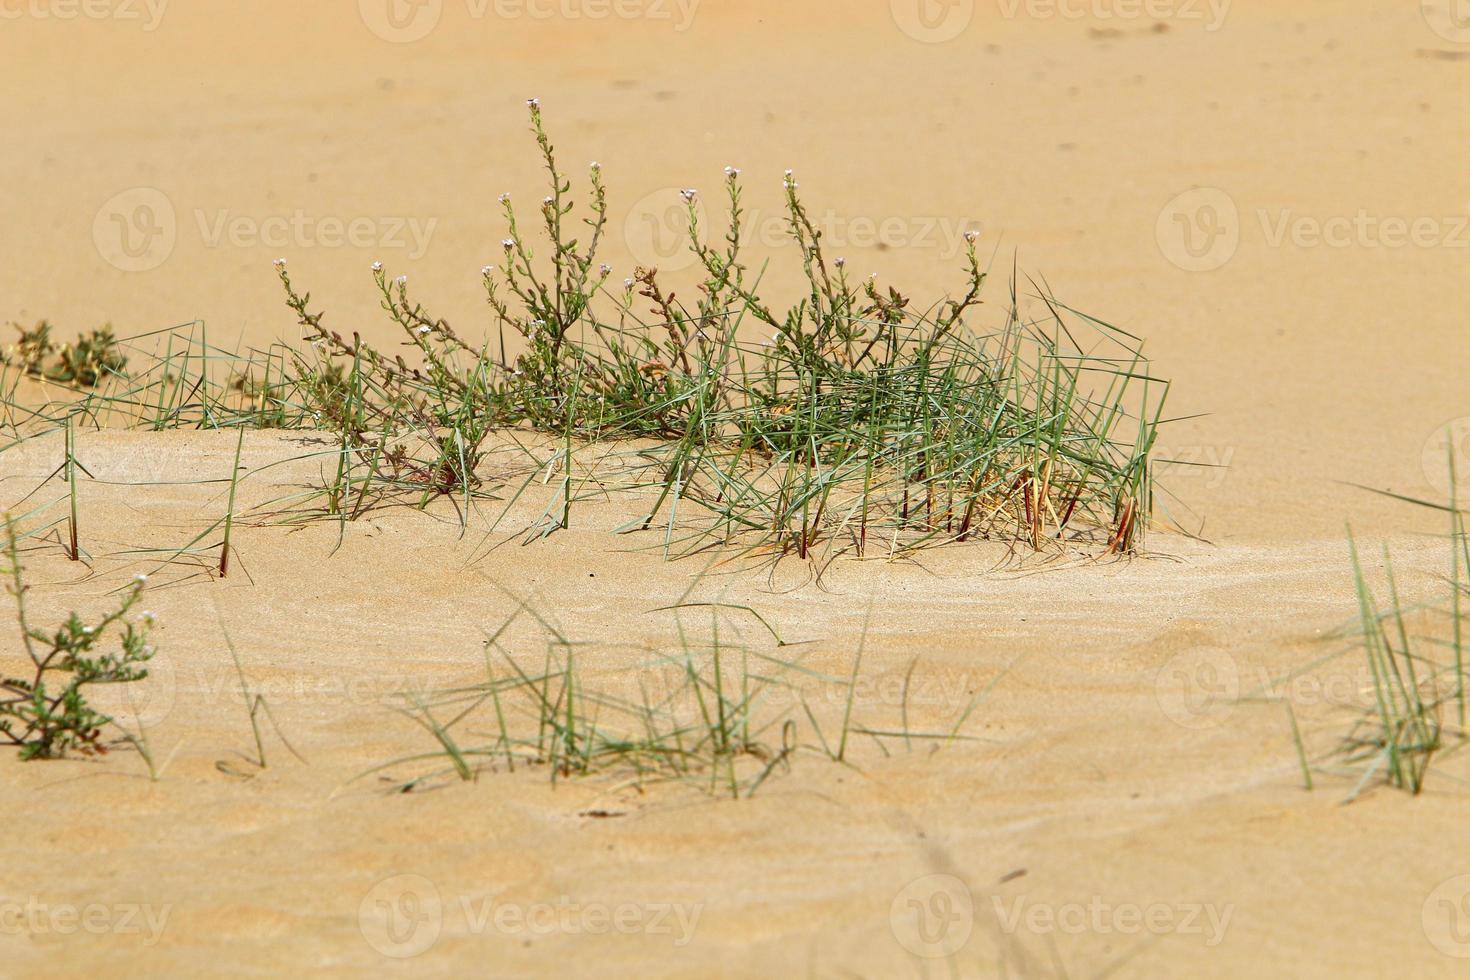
(224, 551)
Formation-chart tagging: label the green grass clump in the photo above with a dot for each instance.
(1417, 711)
(44, 710)
(1404, 731)
(860, 416)
(863, 422)
(720, 714)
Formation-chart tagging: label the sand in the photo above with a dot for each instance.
(1109, 815)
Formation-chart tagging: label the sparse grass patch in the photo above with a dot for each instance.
(717, 713)
(1404, 732)
(1415, 655)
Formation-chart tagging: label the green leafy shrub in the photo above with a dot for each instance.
(85, 362)
(45, 713)
(859, 413)
(851, 419)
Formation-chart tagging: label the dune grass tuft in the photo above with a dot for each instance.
(864, 422)
(1404, 731)
(1415, 656)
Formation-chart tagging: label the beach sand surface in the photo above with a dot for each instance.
(1129, 798)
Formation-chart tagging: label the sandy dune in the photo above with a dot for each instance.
(1229, 188)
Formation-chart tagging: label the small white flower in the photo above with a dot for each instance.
(279, 263)
(147, 618)
(689, 195)
(505, 199)
(485, 270)
(509, 244)
(604, 268)
(401, 280)
(971, 236)
(841, 262)
(732, 171)
(594, 166)
(628, 283)
(548, 200)
(534, 103)
(88, 630)
(140, 578)
(790, 173)
(377, 267)
(424, 329)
